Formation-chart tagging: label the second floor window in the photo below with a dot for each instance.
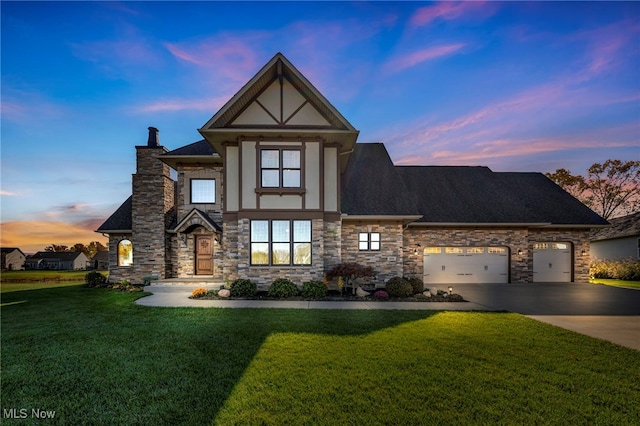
(203, 191)
(280, 168)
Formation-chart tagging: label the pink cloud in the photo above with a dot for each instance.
(412, 59)
(450, 10)
(7, 193)
(169, 105)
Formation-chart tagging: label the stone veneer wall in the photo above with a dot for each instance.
(417, 238)
(118, 273)
(388, 261)
(236, 264)
(188, 172)
(183, 256)
(153, 207)
(579, 238)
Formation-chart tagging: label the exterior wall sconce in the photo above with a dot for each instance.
(415, 251)
(583, 252)
(519, 252)
(450, 291)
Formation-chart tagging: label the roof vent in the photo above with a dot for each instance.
(154, 140)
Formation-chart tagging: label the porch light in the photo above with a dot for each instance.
(415, 252)
(519, 252)
(583, 252)
(450, 291)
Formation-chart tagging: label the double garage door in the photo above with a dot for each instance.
(450, 265)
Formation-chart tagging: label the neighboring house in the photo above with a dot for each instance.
(13, 259)
(279, 187)
(100, 261)
(61, 260)
(620, 241)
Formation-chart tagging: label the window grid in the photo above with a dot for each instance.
(203, 191)
(280, 168)
(280, 243)
(369, 241)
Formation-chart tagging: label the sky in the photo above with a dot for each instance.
(515, 86)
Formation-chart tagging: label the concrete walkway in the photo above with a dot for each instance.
(564, 305)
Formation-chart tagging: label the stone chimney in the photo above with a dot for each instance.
(154, 139)
(152, 207)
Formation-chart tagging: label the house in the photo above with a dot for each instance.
(620, 241)
(13, 259)
(279, 187)
(100, 261)
(60, 260)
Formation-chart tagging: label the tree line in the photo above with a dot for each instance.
(89, 250)
(611, 189)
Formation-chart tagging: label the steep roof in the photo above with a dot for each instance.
(625, 226)
(120, 220)
(7, 250)
(371, 185)
(456, 195)
(197, 152)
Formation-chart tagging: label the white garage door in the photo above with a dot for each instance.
(552, 262)
(450, 265)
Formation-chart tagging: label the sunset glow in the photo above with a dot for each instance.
(516, 86)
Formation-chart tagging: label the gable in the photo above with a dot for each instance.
(278, 103)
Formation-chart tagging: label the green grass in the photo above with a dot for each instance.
(41, 275)
(616, 283)
(95, 357)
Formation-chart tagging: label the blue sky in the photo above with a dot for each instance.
(517, 86)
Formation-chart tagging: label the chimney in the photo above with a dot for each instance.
(154, 140)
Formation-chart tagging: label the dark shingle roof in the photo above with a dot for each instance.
(120, 220)
(371, 184)
(57, 255)
(625, 226)
(201, 147)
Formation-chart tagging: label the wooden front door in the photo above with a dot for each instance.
(204, 255)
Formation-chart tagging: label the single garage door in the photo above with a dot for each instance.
(451, 265)
(552, 262)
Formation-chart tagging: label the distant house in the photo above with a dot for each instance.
(620, 241)
(279, 187)
(100, 261)
(64, 261)
(12, 259)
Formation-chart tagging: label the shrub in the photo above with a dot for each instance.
(399, 287)
(416, 284)
(199, 292)
(283, 288)
(627, 270)
(314, 290)
(243, 288)
(381, 295)
(95, 279)
(350, 272)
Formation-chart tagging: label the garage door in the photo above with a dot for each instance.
(450, 265)
(552, 262)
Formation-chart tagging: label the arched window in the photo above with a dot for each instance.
(125, 253)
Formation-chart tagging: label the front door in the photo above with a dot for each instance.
(204, 255)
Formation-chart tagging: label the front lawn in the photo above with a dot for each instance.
(94, 357)
(615, 283)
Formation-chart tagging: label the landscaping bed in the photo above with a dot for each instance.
(332, 296)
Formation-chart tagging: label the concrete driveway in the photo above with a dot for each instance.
(604, 312)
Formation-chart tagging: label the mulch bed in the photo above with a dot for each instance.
(336, 297)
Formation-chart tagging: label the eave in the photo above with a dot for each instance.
(173, 160)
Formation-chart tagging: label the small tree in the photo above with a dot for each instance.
(350, 272)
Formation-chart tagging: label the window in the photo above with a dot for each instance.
(475, 250)
(125, 253)
(497, 250)
(280, 242)
(540, 246)
(280, 168)
(369, 241)
(432, 250)
(453, 250)
(203, 191)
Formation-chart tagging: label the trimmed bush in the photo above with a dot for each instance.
(399, 287)
(243, 288)
(381, 295)
(95, 279)
(416, 284)
(199, 292)
(314, 290)
(283, 288)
